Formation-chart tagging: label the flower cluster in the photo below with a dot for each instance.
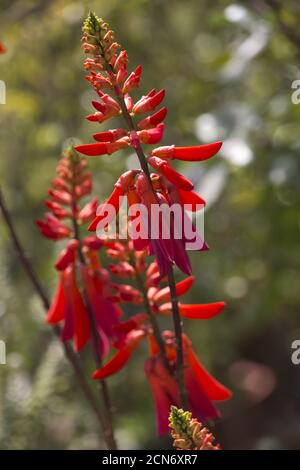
(188, 433)
(80, 257)
(164, 186)
(88, 296)
(202, 389)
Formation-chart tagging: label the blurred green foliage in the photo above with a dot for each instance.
(227, 69)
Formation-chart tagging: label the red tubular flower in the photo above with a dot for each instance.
(172, 175)
(133, 80)
(110, 136)
(191, 198)
(102, 148)
(68, 306)
(201, 311)
(124, 270)
(164, 391)
(62, 197)
(163, 295)
(151, 136)
(53, 228)
(195, 311)
(57, 308)
(148, 103)
(76, 321)
(67, 256)
(121, 187)
(118, 361)
(151, 121)
(189, 154)
(135, 322)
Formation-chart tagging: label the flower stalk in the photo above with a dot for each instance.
(93, 26)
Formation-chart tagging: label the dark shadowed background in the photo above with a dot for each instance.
(228, 71)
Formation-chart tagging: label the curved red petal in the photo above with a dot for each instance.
(214, 389)
(191, 198)
(176, 178)
(121, 357)
(201, 311)
(92, 150)
(198, 153)
(181, 288)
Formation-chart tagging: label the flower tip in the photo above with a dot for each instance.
(138, 70)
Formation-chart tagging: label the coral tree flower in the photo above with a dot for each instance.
(202, 389)
(69, 306)
(108, 68)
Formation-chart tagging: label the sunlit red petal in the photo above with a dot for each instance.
(198, 153)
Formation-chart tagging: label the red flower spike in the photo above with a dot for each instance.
(148, 103)
(182, 287)
(201, 311)
(153, 120)
(196, 154)
(133, 339)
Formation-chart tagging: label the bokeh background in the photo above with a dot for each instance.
(228, 70)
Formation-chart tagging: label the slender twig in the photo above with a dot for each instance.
(71, 356)
(104, 392)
